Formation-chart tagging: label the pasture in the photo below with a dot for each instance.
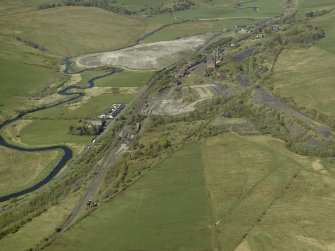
(87, 107)
(32, 233)
(245, 176)
(20, 81)
(306, 74)
(177, 31)
(51, 132)
(69, 31)
(19, 170)
(125, 79)
(226, 192)
(165, 210)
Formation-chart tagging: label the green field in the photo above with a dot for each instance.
(118, 88)
(18, 82)
(125, 79)
(83, 109)
(185, 29)
(71, 31)
(19, 170)
(226, 9)
(32, 233)
(307, 5)
(306, 74)
(227, 192)
(245, 175)
(257, 193)
(165, 210)
(51, 132)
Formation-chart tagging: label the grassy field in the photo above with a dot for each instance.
(19, 6)
(306, 74)
(19, 81)
(118, 88)
(52, 132)
(69, 31)
(211, 16)
(307, 5)
(125, 79)
(226, 9)
(32, 233)
(86, 108)
(257, 196)
(19, 170)
(165, 210)
(245, 176)
(193, 28)
(301, 219)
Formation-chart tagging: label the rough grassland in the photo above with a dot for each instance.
(302, 219)
(51, 132)
(258, 193)
(300, 74)
(89, 109)
(189, 29)
(18, 169)
(307, 75)
(165, 210)
(245, 176)
(20, 80)
(32, 233)
(125, 79)
(306, 5)
(73, 30)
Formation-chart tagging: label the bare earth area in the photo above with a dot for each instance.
(178, 100)
(151, 56)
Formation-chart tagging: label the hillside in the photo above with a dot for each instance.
(167, 125)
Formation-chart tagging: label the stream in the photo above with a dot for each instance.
(67, 152)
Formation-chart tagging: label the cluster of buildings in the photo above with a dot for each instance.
(113, 112)
(98, 124)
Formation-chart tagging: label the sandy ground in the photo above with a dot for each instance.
(150, 56)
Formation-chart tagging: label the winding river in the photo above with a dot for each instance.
(67, 152)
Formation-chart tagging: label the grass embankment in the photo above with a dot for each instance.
(252, 183)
